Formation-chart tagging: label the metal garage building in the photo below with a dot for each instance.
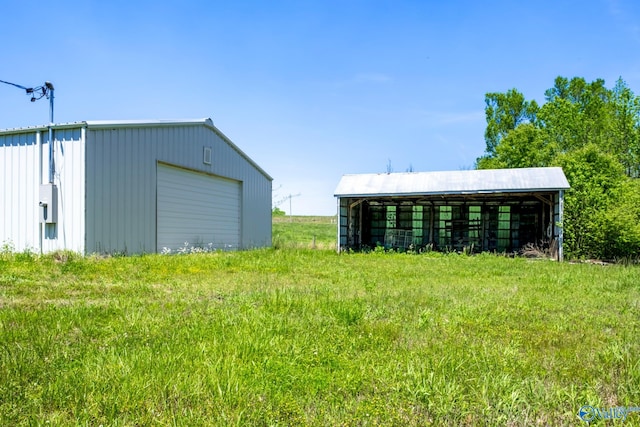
(476, 210)
(130, 187)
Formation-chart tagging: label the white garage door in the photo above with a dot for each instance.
(196, 208)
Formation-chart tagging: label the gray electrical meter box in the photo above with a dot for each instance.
(48, 203)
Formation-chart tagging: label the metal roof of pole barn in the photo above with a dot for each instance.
(484, 181)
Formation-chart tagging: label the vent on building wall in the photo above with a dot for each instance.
(207, 156)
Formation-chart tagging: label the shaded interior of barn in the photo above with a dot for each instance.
(474, 223)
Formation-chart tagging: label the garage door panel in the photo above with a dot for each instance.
(196, 208)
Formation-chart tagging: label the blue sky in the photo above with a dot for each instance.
(311, 90)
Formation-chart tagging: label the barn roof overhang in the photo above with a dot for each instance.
(463, 184)
(451, 195)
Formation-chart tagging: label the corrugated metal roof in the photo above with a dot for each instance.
(453, 182)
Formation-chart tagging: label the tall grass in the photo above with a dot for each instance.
(310, 337)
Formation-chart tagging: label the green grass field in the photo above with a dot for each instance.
(290, 336)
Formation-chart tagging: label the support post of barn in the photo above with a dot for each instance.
(560, 225)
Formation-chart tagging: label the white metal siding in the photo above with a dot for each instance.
(23, 167)
(121, 192)
(69, 152)
(197, 210)
(19, 191)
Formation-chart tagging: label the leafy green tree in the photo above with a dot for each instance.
(621, 227)
(626, 128)
(597, 181)
(594, 134)
(525, 146)
(505, 112)
(576, 113)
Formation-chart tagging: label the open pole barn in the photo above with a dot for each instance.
(496, 210)
(130, 187)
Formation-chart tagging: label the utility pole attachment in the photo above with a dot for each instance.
(44, 91)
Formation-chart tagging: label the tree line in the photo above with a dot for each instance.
(593, 133)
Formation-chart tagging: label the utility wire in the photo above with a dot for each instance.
(36, 93)
(28, 89)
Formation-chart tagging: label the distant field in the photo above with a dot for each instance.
(294, 337)
(311, 232)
